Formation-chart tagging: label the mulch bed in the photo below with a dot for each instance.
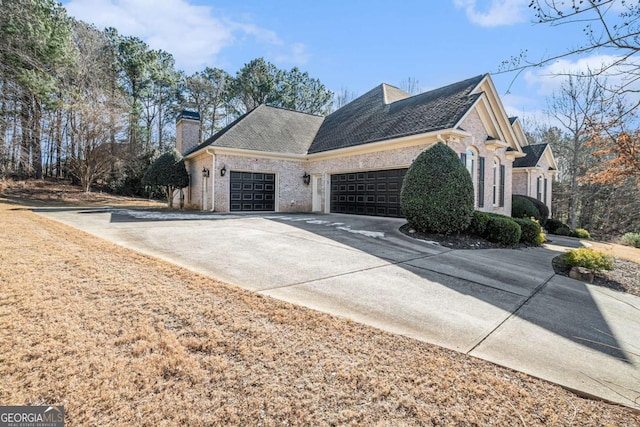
(453, 241)
(625, 276)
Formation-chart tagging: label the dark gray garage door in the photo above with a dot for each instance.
(252, 191)
(367, 193)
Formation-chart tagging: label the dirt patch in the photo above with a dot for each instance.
(62, 193)
(119, 338)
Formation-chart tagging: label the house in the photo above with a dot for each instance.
(353, 160)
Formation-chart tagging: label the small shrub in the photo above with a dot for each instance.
(631, 239)
(437, 192)
(523, 208)
(553, 224)
(563, 231)
(531, 231)
(581, 233)
(503, 230)
(479, 222)
(588, 258)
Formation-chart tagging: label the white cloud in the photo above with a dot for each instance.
(297, 55)
(497, 13)
(549, 79)
(189, 32)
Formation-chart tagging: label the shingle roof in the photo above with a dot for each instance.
(368, 118)
(533, 154)
(269, 129)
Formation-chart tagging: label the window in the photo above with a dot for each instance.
(496, 181)
(480, 181)
(539, 188)
(470, 161)
(502, 178)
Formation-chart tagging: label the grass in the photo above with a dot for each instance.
(120, 338)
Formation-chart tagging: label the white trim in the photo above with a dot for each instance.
(252, 153)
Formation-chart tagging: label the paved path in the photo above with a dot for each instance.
(505, 306)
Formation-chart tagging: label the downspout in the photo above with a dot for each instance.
(213, 179)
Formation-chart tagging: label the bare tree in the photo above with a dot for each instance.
(611, 27)
(411, 86)
(342, 98)
(573, 107)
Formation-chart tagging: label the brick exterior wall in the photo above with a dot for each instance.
(477, 142)
(525, 181)
(292, 195)
(187, 134)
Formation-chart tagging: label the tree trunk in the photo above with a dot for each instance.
(573, 191)
(24, 168)
(36, 139)
(58, 142)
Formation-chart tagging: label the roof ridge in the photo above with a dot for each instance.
(288, 109)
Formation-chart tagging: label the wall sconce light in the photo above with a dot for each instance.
(223, 171)
(205, 173)
(306, 178)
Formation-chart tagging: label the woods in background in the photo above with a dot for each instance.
(98, 107)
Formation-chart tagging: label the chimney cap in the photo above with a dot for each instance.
(190, 115)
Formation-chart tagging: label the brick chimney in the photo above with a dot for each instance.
(187, 131)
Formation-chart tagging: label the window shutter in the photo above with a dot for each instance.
(545, 191)
(463, 157)
(480, 182)
(502, 173)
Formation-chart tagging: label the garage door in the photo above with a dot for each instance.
(367, 193)
(252, 191)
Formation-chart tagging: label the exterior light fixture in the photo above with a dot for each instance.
(306, 178)
(205, 173)
(223, 171)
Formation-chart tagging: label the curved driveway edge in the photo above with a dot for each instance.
(504, 306)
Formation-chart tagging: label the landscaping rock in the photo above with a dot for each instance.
(582, 274)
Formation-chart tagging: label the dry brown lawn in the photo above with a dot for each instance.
(119, 338)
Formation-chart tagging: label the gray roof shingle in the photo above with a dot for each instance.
(369, 119)
(269, 129)
(533, 154)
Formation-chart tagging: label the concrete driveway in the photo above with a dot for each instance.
(504, 306)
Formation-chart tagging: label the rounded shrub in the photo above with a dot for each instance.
(631, 239)
(437, 192)
(588, 258)
(523, 208)
(553, 224)
(479, 222)
(543, 210)
(581, 233)
(531, 231)
(564, 230)
(503, 230)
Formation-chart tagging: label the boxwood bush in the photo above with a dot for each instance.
(479, 222)
(631, 239)
(437, 192)
(588, 258)
(531, 231)
(543, 210)
(503, 230)
(523, 208)
(553, 225)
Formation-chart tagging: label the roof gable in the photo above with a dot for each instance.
(533, 155)
(372, 118)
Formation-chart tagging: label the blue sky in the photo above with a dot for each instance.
(352, 44)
